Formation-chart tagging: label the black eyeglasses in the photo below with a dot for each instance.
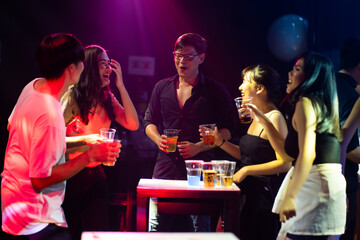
(187, 57)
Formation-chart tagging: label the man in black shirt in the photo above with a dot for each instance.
(183, 102)
(347, 80)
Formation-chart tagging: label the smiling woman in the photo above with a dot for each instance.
(258, 187)
(104, 68)
(90, 106)
(296, 76)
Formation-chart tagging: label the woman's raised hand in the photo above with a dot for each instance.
(115, 66)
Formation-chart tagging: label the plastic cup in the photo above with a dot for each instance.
(111, 163)
(108, 133)
(208, 134)
(193, 169)
(209, 174)
(226, 170)
(244, 112)
(172, 137)
(217, 169)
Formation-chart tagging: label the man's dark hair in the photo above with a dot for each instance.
(56, 52)
(350, 53)
(191, 39)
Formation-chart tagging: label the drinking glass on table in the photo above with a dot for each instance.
(217, 169)
(209, 174)
(226, 169)
(193, 169)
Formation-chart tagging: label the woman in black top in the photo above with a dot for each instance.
(258, 192)
(311, 201)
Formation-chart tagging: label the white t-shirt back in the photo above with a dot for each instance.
(36, 144)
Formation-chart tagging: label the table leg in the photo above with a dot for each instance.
(142, 209)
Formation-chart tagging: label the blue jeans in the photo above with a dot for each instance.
(201, 223)
(176, 223)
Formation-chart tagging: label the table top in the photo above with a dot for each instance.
(180, 188)
(156, 236)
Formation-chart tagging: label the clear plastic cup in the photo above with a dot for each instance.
(193, 169)
(209, 174)
(244, 112)
(226, 173)
(172, 137)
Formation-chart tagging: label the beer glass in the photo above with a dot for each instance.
(244, 112)
(208, 134)
(108, 134)
(171, 137)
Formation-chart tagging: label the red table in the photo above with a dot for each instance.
(176, 197)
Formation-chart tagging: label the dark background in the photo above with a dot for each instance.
(236, 31)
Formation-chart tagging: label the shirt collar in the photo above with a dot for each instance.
(347, 77)
(201, 79)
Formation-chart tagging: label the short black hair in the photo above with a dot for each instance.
(191, 39)
(350, 53)
(56, 52)
(268, 77)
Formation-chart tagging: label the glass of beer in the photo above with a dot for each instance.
(112, 163)
(108, 134)
(209, 174)
(244, 112)
(217, 169)
(226, 169)
(208, 134)
(172, 137)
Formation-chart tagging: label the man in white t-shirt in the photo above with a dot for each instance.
(33, 180)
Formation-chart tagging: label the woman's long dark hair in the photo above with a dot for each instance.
(89, 92)
(320, 87)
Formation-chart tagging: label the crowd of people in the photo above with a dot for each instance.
(297, 164)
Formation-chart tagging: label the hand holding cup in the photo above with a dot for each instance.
(108, 135)
(111, 163)
(104, 151)
(171, 136)
(243, 110)
(207, 131)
